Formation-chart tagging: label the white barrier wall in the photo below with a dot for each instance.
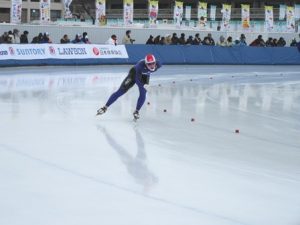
(99, 35)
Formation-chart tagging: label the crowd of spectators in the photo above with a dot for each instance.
(14, 37)
(224, 42)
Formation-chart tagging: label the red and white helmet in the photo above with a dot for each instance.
(150, 62)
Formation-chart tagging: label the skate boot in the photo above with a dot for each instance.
(101, 110)
(136, 115)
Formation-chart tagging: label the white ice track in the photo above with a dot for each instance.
(61, 165)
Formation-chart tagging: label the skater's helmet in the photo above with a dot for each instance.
(150, 62)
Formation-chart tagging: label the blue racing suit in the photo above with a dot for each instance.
(138, 74)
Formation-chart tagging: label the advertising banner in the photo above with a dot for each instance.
(269, 19)
(245, 16)
(61, 51)
(153, 12)
(202, 14)
(226, 14)
(44, 11)
(100, 12)
(67, 11)
(290, 18)
(128, 12)
(178, 13)
(16, 11)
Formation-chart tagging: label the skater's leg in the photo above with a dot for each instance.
(141, 98)
(115, 96)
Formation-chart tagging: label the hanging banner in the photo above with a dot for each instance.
(282, 11)
(44, 11)
(297, 11)
(188, 10)
(153, 12)
(178, 13)
(128, 12)
(16, 11)
(202, 10)
(100, 12)
(212, 15)
(226, 13)
(245, 16)
(290, 18)
(202, 14)
(67, 11)
(269, 19)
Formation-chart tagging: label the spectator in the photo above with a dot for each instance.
(156, 40)
(182, 39)
(229, 42)
(208, 40)
(243, 40)
(222, 41)
(275, 42)
(37, 39)
(258, 42)
(16, 34)
(237, 42)
(162, 41)
(150, 40)
(65, 39)
(77, 39)
(189, 41)
(10, 39)
(168, 39)
(175, 39)
(112, 40)
(127, 38)
(197, 40)
(87, 41)
(46, 38)
(84, 39)
(269, 42)
(24, 37)
(281, 42)
(4, 37)
(293, 43)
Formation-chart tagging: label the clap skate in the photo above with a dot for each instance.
(136, 115)
(101, 111)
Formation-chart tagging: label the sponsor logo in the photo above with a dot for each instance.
(31, 51)
(72, 51)
(96, 51)
(4, 52)
(52, 50)
(11, 50)
(107, 51)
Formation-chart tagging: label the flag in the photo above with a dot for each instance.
(45, 11)
(226, 13)
(178, 12)
(128, 12)
(153, 12)
(100, 12)
(269, 19)
(245, 16)
(290, 18)
(16, 11)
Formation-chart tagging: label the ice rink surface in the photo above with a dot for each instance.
(61, 165)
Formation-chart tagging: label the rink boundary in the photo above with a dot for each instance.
(171, 55)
